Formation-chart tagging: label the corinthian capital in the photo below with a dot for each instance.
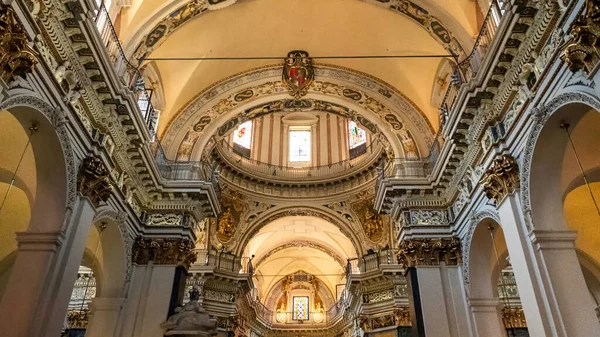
(429, 252)
(501, 179)
(93, 180)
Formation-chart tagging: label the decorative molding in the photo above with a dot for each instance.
(540, 117)
(380, 296)
(93, 180)
(427, 217)
(501, 179)
(169, 219)
(176, 19)
(429, 252)
(513, 318)
(583, 53)
(17, 58)
(179, 252)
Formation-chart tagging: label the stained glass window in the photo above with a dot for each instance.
(300, 308)
(243, 135)
(300, 145)
(358, 136)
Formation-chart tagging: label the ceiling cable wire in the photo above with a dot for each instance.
(328, 57)
(32, 130)
(565, 126)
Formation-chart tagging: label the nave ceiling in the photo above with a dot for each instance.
(336, 27)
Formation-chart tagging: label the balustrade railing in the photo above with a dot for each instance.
(224, 261)
(370, 262)
(373, 151)
(472, 63)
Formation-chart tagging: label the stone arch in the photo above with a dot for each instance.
(475, 220)
(58, 161)
(117, 238)
(361, 95)
(356, 237)
(550, 115)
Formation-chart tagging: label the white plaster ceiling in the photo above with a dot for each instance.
(294, 243)
(274, 27)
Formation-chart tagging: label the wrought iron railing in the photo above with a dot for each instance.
(270, 171)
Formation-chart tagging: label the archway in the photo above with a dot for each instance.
(493, 293)
(552, 173)
(102, 276)
(38, 198)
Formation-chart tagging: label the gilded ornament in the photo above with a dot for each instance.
(583, 53)
(373, 224)
(429, 252)
(513, 318)
(402, 316)
(174, 251)
(93, 180)
(17, 58)
(298, 73)
(226, 225)
(501, 179)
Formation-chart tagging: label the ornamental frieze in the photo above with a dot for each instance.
(179, 252)
(429, 252)
(93, 180)
(501, 179)
(392, 109)
(17, 58)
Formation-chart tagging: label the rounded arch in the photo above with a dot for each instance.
(115, 251)
(54, 164)
(355, 94)
(486, 216)
(286, 211)
(548, 154)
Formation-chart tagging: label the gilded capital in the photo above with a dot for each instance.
(501, 179)
(430, 252)
(582, 52)
(17, 58)
(179, 252)
(93, 180)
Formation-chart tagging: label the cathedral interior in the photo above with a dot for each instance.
(299, 168)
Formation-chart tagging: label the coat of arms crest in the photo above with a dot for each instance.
(298, 73)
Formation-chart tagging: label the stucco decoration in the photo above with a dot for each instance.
(371, 102)
(474, 221)
(540, 117)
(195, 8)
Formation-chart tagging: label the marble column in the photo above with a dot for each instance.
(486, 317)
(555, 298)
(437, 296)
(561, 273)
(28, 281)
(152, 281)
(104, 318)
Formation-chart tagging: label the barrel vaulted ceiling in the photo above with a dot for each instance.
(230, 28)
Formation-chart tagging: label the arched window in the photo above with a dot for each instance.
(300, 312)
(357, 139)
(242, 139)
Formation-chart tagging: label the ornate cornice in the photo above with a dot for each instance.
(179, 252)
(501, 179)
(429, 252)
(93, 180)
(17, 58)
